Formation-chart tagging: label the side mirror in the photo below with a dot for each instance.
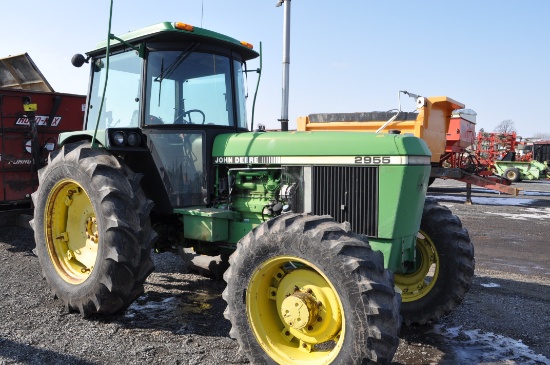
(78, 60)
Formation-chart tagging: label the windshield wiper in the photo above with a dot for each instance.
(174, 65)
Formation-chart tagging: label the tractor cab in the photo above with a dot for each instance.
(172, 88)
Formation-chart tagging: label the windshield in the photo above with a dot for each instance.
(186, 87)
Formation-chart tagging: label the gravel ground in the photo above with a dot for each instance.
(179, 320)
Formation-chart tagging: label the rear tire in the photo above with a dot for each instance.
(513, 174)
(445, 267)
(346, 312)
(92, 230)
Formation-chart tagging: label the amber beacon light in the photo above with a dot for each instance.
(183, 26)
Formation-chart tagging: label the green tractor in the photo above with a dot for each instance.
(314, 225)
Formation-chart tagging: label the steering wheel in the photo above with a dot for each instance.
(180, 118)
(154, 120)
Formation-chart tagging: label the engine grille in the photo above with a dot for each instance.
(348, 194)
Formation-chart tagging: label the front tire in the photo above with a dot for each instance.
(92, 230)
(444, 268)
(303, 289)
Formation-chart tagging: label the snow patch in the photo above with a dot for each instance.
(534, 193)
(505, 201)
(490, 285)
(529, 214)
(150, 307)
(476, 347)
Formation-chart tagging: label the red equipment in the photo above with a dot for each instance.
(460, 135)
(56, 113)
(491, 147)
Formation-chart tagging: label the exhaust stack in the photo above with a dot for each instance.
(286, 63)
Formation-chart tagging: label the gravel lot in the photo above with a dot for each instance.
(504, 319)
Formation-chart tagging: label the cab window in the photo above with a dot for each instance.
(121, 102)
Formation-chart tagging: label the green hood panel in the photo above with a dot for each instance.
(318, 144)
(69, 137)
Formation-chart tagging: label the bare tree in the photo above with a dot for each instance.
(542, 135)
(506, 126)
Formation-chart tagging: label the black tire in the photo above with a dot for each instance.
(513, 174)
(318, 247)
(450, 251)
(116, 210)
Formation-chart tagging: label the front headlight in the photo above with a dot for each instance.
(119, 139)
(126, 139)
(134, 139)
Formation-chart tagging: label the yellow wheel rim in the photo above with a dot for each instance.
(71, 231)
(295, 312)
(419, 283)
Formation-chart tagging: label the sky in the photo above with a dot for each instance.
(345, 56)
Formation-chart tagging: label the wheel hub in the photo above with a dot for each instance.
(299, 310)
(91, 229)
(295, 312)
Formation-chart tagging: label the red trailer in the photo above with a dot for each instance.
(56, 113)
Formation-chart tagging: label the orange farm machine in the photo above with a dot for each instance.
(443, 123)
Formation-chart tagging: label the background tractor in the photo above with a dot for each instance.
(498, 152)
(313, 224)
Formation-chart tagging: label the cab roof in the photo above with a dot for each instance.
(167, 31)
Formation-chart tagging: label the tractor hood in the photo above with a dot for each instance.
(327, 148)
